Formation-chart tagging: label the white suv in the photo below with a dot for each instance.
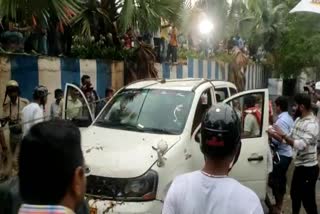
(148, 133)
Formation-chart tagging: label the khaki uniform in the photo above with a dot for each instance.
(74, 108)
(13, 112)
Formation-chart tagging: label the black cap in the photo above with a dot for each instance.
(220, 131)
(40, 92)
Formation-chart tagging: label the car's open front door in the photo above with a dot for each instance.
(252, 166)
(76, 108)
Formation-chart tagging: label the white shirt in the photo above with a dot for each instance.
(196, 193)
(56, 109)
(31, 115)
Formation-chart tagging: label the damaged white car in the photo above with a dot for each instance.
(148, 133)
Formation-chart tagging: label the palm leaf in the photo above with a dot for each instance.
(146, 14)
(40, 9)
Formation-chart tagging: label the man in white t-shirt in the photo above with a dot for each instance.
(211, 190)
(34, 112)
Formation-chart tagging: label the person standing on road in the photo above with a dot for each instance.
(211, 190)
(108, 95)
(52, 173)
(278, 178)
(57, 106)
(74, 105)
(12, 109)
(303, 138)
(34, 112)
(89, 92)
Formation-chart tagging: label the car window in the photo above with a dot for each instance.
(148, 110)
(204, 103)
(76, 108)
(221, 94)
(250, 110)
(233, 91)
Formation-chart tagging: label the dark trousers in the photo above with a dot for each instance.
(303, 189)
(172, 50)
(278, 177)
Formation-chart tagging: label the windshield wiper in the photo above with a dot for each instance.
(160, 131)
(123, 126)
(135, 128)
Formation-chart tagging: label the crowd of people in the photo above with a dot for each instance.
(297, 133)
(20, 115)
(21, 37)
(165, 42)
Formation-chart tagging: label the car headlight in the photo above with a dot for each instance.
(143, 188)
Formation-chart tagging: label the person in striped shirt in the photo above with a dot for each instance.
(51, 169)
(303, 138)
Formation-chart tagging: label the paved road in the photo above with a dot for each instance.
(287, 205)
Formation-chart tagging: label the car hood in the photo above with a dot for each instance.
(119, 153)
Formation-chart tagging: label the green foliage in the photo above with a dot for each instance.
(40, 9)
(300, 44)
(89, 48)
(146, 14)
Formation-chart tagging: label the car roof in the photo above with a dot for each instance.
(220, 84)
(172, 84)
(177, 84)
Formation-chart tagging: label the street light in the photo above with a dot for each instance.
(205, 26)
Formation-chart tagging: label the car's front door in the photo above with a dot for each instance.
(252, 166)
(76, 107)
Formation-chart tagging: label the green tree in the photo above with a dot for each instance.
(300, 45)
(40, 10)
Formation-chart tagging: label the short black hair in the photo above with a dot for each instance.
(283, 103)
(303, 99)
(58, 92)
(108, 90)
(49, 155)
(84, 77)
(249, 101)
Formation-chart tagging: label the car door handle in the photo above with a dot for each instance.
(256, 158)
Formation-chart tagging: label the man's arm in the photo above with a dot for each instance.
(309, 136)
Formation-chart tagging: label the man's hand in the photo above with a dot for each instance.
(279, 131)
(275, 132)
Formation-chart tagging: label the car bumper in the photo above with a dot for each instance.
(104, 206)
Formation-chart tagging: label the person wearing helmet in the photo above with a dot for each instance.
(34, 112)
(211, 190)
(12, 108)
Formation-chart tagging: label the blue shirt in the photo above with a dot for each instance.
(285, 123)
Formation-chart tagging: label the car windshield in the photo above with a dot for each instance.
(148, 110)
